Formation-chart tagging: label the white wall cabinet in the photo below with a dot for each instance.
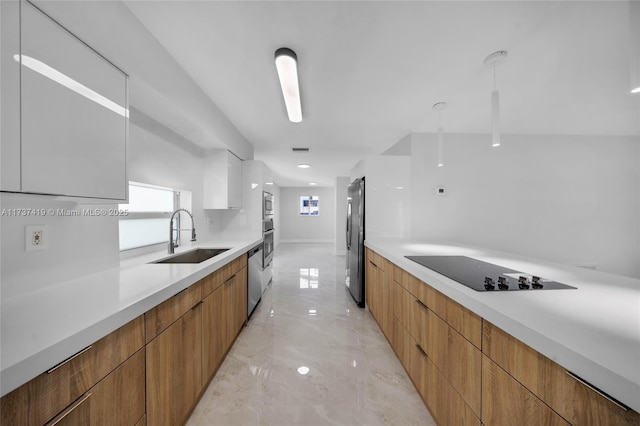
(222, 181)
(73, 113)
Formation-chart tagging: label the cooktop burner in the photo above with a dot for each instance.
(483, 276)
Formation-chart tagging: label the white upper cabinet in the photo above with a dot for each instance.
(222, 181)
(10, 99)
(73, 114)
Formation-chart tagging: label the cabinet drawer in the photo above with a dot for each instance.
(457, 359)
(118, 399)
(457, 316)
(507, 402)
(162, 316)
(575, 401)
(412, 313)
(219, 277)
(39, 400)
(412, 356)
(410, 283)
(378, 261)
(445, 404)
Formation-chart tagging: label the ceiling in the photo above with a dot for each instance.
(371, 71)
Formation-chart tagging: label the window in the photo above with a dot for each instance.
(150, 208)
(309, 205)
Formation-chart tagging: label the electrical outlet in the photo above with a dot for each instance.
(35, 237)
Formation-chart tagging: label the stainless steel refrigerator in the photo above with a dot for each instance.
(355, 241)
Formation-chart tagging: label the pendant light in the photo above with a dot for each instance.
(287, 66)
(491, 61)
(439, 107)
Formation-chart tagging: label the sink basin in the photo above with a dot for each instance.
(193, 256)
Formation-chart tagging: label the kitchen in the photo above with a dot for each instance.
(562, 187)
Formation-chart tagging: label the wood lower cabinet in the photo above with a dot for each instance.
(42, 398)
(378, 292)
(174, 370)
(573, 400)
(117, 400)
(507, 402)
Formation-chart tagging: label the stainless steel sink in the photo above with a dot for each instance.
(193, 256)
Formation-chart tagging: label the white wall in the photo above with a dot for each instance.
(295, 228)
(340, 245)
(569, 199)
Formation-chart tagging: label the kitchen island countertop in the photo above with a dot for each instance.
(42, 328)
(593, 331)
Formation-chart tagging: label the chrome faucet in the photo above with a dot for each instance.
(173, 245)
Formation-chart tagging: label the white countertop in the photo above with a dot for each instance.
(593, 331)
(45, 327)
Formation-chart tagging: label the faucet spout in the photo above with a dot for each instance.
(172, 244)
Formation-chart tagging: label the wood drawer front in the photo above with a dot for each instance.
(410, 283)
(506, 402)
(118, 399)
(379, 261)
(411, 355)
(219, 277)
(457, 316)
(550, 382)
(162, 316)
(457, 359)
(445, 404)
(38, 400)
(412, 313)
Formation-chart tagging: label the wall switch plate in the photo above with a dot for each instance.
(440, 190)
(35, 237)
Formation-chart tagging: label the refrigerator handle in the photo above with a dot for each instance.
(348, 233)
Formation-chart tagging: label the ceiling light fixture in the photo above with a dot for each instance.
(439, 107)
(634, 58)
(303, 166)
(491, 61)
(287, 66)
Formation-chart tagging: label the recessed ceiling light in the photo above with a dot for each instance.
(303, 370)
(268, 183)
(304, 166)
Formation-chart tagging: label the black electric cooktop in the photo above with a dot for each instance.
(483, 276)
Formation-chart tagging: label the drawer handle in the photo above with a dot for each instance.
(69, 410)
(72, 357)
(421, 350)
(596, 390)
(422, 305)
(197, 304)
(371, 262)
(230, 279)
(180, 292)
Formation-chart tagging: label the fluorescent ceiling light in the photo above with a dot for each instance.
(303, 166)
(66, 81)
(287, 66)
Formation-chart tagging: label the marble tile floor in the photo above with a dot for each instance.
(309, 356)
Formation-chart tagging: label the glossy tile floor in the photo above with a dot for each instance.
(310, 356)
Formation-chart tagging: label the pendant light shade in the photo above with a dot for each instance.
(439, 107)
(491, 61)
(287, 66)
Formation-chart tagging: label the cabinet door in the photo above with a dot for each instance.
(116, 400)
(174, 370)
(222, 181)
(10, 99)
(214, 331)
(240, 307)
(73, 114)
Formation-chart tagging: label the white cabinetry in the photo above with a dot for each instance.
(72, 117)
(222, 180)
